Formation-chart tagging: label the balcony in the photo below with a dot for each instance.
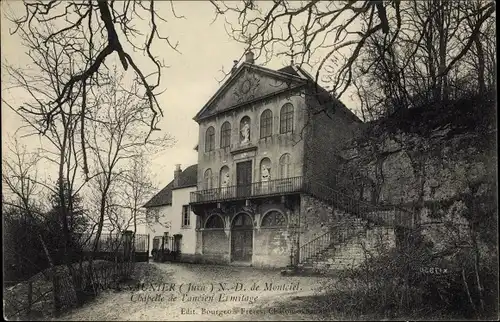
(257, 189)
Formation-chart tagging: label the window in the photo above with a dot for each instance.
(286, 118)
(210, 139)
(186, 218)
(242, 220)
(266, 124)
(214, 221)
(285, 166)
(273, 218)
(245, 130)
(207, 179)
(225, 135)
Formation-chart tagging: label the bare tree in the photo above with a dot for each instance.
(136, 187)
(115, 140)
(41, 82)
(332, 35)
(91, 32)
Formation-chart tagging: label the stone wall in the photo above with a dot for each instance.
(272, 247)
(325, 135)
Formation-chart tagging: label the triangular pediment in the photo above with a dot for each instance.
(249, 83)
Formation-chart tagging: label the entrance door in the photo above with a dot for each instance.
(244, 178)
(242, 238)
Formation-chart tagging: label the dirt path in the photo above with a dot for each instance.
(205, 292)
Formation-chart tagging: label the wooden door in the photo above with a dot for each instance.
(244, 178)
(242, 238)
(241, 245)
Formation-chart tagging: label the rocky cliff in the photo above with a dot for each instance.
(441, 162)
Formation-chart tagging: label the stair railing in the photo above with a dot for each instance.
(315, 246)
(388, 215)
(340, 234)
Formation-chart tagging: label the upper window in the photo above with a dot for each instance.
(242, 220)
(266, 124)
(286, 118)
(245, 130)
(214, 221)
(207, 179)
(210, 139)
(285, 166)
(273, 218)
(225, 135)
(186, 218)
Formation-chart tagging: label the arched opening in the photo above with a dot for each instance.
(286, 118)
(225, 135)
(273, 219)
(224, 181)
(266, 124)
(210, 139)
(284, 169)
(214, 222)
(207, 179)
(242, 238)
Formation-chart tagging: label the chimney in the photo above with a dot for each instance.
(235, 66)
(249, 57)
(177, 174)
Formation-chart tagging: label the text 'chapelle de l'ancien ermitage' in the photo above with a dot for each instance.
(206, 292)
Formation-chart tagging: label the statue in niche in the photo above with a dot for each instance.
(245, 133)
(265, 177)
(225, 180)
(265, 173)
(225, 184)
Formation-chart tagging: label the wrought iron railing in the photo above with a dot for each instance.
(383, 215)
(263, 188)
(380, 215)
(336, 235)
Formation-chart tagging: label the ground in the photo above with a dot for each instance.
(245, 296)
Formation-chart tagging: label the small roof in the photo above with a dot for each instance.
(187, 178)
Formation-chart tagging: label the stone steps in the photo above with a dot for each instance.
(352, 253)
(352, 237)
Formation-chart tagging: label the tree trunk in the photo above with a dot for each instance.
(481, 65)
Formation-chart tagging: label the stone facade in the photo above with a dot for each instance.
(267, 121)
(272, 241)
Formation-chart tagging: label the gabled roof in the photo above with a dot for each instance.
(282, 74)
(289, 73)
(187, 178)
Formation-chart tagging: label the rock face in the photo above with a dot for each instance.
(407, 168)
(444, 174)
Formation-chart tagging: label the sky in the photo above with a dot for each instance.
(193, 77)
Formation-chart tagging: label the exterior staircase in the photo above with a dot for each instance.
(358, 231)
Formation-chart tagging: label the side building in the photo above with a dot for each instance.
(169, 217)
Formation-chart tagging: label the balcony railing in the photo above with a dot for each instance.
(256, 189)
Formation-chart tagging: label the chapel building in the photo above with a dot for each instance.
(267, 138)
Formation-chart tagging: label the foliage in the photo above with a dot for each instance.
(25, 254)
